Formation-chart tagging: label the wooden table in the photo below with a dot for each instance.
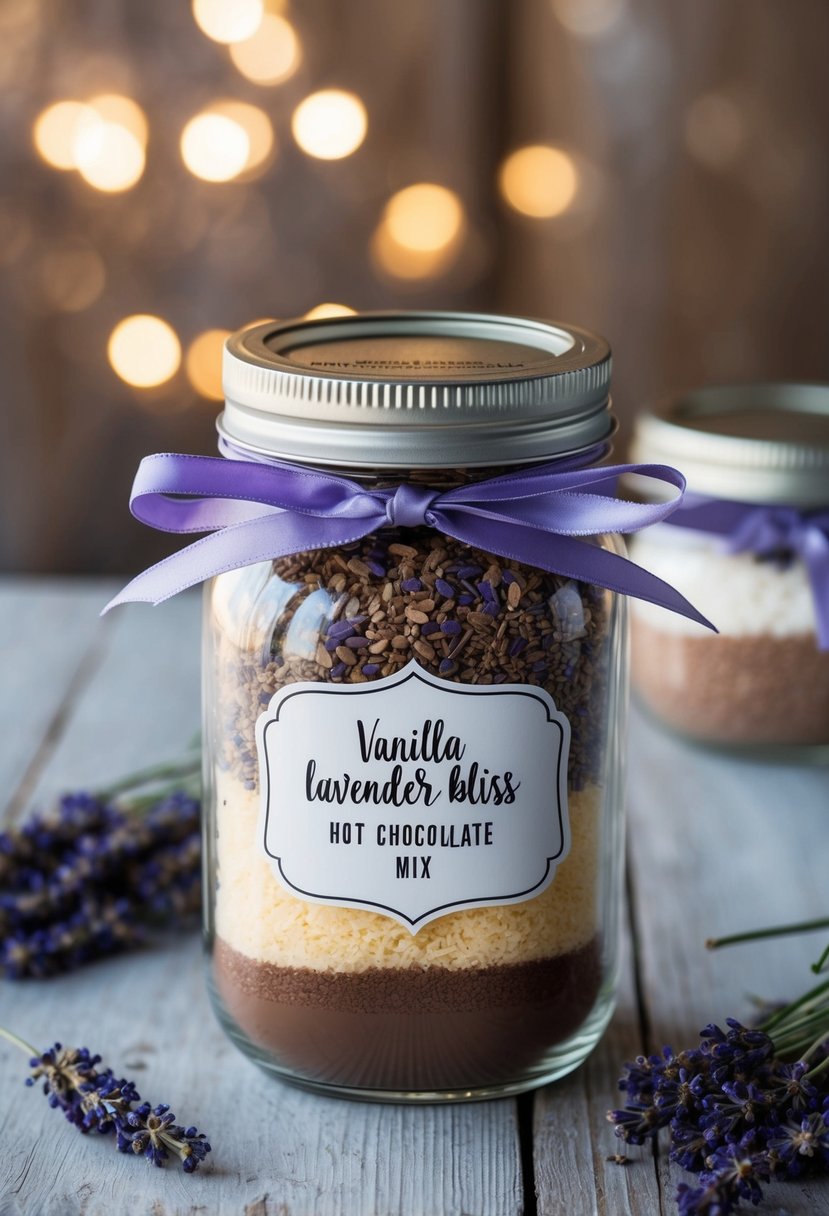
(715, 845)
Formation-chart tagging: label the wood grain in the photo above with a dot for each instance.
(715, 844)
(277, 1150)
(573, 1140)
(718, 845)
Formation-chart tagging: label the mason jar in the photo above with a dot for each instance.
(413, 742)
(750, 547)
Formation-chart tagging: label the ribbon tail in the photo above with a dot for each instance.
(243, 544)
(814, 550)
(565, 555)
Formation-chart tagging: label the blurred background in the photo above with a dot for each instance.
(170, 171)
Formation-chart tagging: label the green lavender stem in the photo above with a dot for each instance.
(18, 1042)
(752, 935)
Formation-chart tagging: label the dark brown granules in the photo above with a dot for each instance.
(362, 612)
(739, 690)
(393, 1028)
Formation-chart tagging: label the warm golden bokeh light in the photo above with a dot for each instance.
(420, 233)
(589, 18)
(58, 128)
(328, 310)
(103, 139)
(271, 55)
(71, 278)
(403, 262)
(144, 350)
(115, 108)
(109, 157)
(539, 181)
(203, 363)
(256, 126)
(330, 124)
(228, 20)
(424, 217)
(214, 147)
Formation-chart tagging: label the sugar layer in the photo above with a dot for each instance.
(740, 595)
(260, 919)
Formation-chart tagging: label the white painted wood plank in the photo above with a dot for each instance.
(49, 629)
(277, 1150)
(572, 1138)
(142, 703)
(718, 845)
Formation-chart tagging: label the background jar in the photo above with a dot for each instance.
(756, 458)
(481, 1000)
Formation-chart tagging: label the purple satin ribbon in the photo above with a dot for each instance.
(771, 533)
(255, 511)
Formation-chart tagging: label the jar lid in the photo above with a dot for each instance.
(416, 390)
(763, 443)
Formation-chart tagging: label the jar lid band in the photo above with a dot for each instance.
(401, 390)
(755, 443)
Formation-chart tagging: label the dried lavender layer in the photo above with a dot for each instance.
(265, 922)
(765, 689)
(406, 1028)
(362, 612)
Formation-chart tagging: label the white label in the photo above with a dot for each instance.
(414, 796)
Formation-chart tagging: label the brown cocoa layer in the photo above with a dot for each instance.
(412, 1028)
(721, 689)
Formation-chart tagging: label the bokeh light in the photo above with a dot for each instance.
(272, 54)
(330, 124)
(116, 108)
(424, 217)
(72, 277)
(203, 363)
(256, 126)
(420, 233)
(228, 20)
(590, 18)
(714, 130)
(214, 147)
(539, 181)
(108, 156)
(103, 139)
(328, 310)
(144, 350)
(58, 128)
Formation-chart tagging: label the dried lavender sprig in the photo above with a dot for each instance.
(99, 927)
(97, 898)
(97, 1100)
(734, 1110)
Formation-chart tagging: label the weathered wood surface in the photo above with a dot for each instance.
(714, 844)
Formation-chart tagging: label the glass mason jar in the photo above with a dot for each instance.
(413, 745)
(748, 547)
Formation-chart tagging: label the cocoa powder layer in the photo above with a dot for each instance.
(722, 689)
(413, 1028)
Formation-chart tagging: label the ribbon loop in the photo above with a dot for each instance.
(257, 510)
(770, 531)
(408, 505)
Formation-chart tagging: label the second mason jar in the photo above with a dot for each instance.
(750, 546)
(413, 742)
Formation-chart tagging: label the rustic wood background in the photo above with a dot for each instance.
(697, 245)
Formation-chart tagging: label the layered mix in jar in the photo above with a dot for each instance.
(348, 996)
(763, 678)
(750, 547)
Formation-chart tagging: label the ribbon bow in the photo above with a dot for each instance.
(257, 511)
(771, 533)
